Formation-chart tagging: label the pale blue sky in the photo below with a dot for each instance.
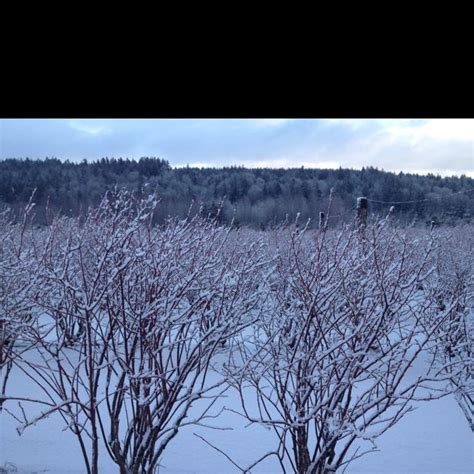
(444, 146)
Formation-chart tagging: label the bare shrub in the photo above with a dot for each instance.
(451, 286)
(122, 351)
(330, 365)
(16, 284)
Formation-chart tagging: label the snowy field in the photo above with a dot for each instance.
(124, 328)
(435, 438)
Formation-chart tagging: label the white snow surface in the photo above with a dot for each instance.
(435, 438)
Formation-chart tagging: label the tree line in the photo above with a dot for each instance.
(258, 197)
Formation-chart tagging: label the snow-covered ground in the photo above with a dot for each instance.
(435, 438)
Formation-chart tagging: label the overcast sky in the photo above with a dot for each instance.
(418, 146)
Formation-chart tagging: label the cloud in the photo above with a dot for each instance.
(270, 122)
(418, 146)
(89, 128)
(437, 146)
(437, 130)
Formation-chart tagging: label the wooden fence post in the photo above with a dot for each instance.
(321, 220)
(361, 212)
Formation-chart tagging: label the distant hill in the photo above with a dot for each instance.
(255, 197)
